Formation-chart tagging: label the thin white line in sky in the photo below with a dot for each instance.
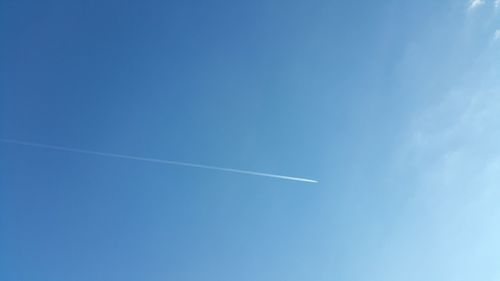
(153, 160)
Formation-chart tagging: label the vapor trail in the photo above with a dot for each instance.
(153, 160)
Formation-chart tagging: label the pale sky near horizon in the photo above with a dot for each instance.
(394, 106)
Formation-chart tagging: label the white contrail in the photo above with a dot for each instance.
(168, 162)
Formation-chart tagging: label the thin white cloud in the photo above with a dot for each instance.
(497, 4)
(496, 36)
(453, 158)
(475, 3)
(452, 148)
(450, 160)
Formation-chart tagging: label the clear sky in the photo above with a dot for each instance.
(394, 106)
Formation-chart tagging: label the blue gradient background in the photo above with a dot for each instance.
(354, 94)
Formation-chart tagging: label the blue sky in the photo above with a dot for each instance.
(392, 105)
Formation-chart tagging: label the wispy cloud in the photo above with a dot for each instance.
(453, 158)
(475, 3)
(450, 160)
(497, 4)
(452, 148)
(496, 36)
